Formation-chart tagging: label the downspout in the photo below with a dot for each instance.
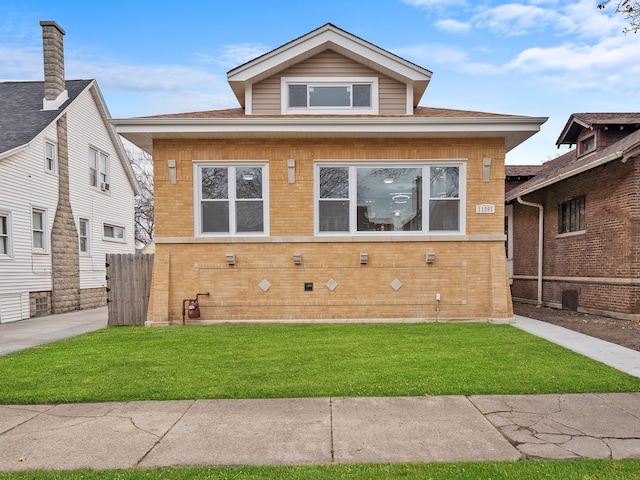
(540, 240)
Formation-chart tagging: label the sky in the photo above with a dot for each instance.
(539, 58)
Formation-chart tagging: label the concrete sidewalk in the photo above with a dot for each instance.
(319, 431)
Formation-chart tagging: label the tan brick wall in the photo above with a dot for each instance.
(469, 275)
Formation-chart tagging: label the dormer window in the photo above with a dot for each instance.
(587, 144)
(350, 96)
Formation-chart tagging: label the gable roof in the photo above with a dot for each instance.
(579, 121)
(569, 165)
(22, 118)
(328, 37)
(21, 115)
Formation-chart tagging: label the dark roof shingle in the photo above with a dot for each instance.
(21, 114)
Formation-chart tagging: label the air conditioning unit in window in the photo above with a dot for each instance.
(104, 187)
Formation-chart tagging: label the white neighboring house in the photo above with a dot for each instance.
(66, 191)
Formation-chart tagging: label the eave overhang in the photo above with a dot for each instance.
(143, 131)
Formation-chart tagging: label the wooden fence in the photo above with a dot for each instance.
(128, 286)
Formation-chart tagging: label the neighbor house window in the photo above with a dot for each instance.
(5, 235)
(572, 216)
(50, 157)
(231, 199)
(113, 232)
(587, 144)
(38, 225)
(83, 235)
(407, 199)
(330, 95)
(99, 169)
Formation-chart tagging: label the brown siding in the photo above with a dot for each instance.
(266, 94)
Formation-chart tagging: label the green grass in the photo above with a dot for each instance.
(527, 470)
(286, 361)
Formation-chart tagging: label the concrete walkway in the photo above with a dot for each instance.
(320, 430)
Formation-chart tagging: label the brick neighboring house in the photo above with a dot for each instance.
(66, 191)
(330, 194)
(585, 206)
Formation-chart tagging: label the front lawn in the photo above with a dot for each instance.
(287, 361)
(538, 470)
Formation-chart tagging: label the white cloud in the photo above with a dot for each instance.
(21, 63)
(427, 53)
(515, 19)
(453, 26)
(232, 56)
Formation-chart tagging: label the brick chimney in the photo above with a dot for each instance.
(55, 93)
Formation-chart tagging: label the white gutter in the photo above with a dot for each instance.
(540, 243)
(561, 176)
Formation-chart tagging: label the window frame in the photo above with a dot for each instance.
(5, 236)
(101, 175)
(567, 225)
(583, 143)
(41, 231)
(51, 160)
(232, 167)
(285, 82)
(114, 238)
(352, 196)
(87, 235)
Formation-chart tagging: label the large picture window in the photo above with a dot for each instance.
(407, 199)
(231, 199)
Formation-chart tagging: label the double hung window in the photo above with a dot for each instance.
(572, 216)
(83, 235)
(50, 157)
(5, 235)
(408, 199)
(38, 226)
(231, 199)
(98, 169)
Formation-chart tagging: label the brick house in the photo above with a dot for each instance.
(66, 191)
(581, 216)
(330, 194)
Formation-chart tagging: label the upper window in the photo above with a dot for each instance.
(38, 225)
(99, 169)
(83, 235)
(113, 232)
(50, 157)
(571, 216)
(5, 235)
(587, 144)
(231, 199)
(330, 95)
(409, 199)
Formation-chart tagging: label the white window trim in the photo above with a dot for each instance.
(99, 172)
(392, 163)
(114, 239)
(54, 145)
(88, 236)
(197, 176)
(9, 253)
(45, 227)
(284, 95)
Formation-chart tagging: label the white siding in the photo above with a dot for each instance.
(24, 184)
(115, 207)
